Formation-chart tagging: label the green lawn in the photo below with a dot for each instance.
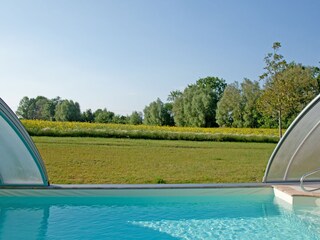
(104, 160)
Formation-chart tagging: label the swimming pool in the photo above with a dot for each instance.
(227, 213)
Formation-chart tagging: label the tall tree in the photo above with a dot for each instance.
(120, 119)
(136, 118)
(215, 84)
(87, 116)
(300, 86)
(197, 105)
(37, 108)
(274, 91)
(168, 116)
(316, 75)
(23, 108)
(33, 108)
(50, 108)
(103, 116)
(41, 109)
(174, 95)
(289, 92)
(178, 111)
(251, 92)
(67, 110)
(156, 113)
(229, 111)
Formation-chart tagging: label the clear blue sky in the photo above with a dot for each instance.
(122, 55)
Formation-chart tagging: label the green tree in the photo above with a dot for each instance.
(33, 108)
(37, 108)
(96, 113)
(174, 95)
(316, 75)
(178, 111)
(288, 93)
(301, 87)
(168, 116)
(136, 118)
(197, 105)
(251, 93)
(274, 92)
(103, 116)
(156, 113)
(120, 119)
(40, 108)
(215, 84)
(50, 108)
(229, 111)
(67, 110)
(23, 108)
(87, 116)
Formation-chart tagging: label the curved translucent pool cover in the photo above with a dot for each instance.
(298, 152)
(20, 161)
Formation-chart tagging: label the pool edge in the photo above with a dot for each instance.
(96, 190)
(295, 196)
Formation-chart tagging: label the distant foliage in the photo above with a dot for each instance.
(103, 116)
(67, 110)
(57, 109)
(120, 119)
(136, 118)
(37, 108)
(229, 111)
(289, 93)
(157, 113)
(196, 105)
(250, 93)
(87, 116)
(288, 88)
(238, 105)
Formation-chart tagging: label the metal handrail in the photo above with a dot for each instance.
(307, 175)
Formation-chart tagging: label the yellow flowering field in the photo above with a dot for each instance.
(49, 128)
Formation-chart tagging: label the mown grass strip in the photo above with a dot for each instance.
(109, 160)
(76, 129)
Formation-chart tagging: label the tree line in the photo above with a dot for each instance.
(58, 109)
(274, 100)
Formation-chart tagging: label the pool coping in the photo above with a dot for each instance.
(137, 190)
(287, 191)
(294, 195)
(142, 186)
(158, 186)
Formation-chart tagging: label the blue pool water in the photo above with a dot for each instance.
(156, 214)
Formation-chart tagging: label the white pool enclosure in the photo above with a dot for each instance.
(296, 155)
(20, 161)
